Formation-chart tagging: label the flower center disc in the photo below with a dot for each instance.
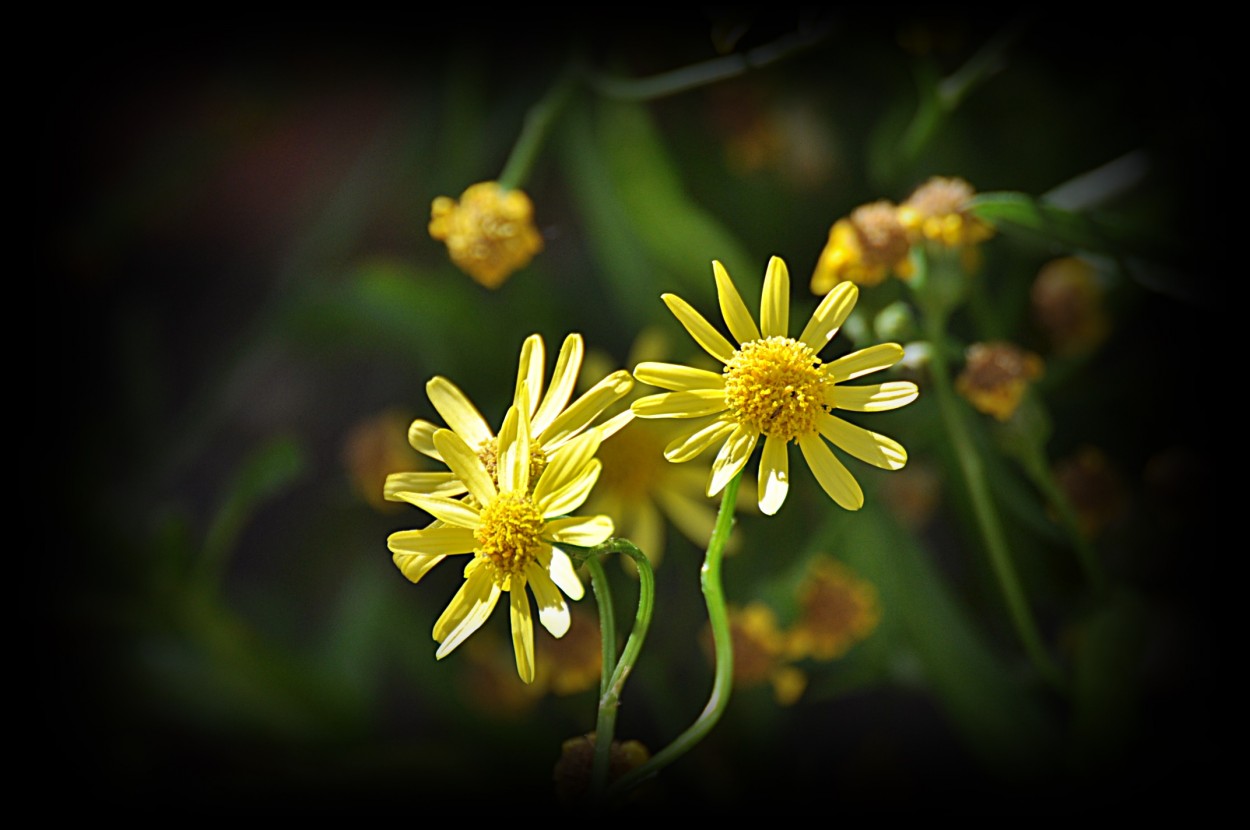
(510, 533)
(488, 452)
(775, 387)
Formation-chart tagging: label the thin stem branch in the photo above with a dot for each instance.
(534, 130)
(708, 72)
(983, 507)
(718, 616)
(612, 685)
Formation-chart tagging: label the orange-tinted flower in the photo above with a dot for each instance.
(996, 376)
(863, 248)
(573, 770)
(759, 648)
(837, 610)
(938, 211)
(1092, 487)
(374, 447)
(1067, 304)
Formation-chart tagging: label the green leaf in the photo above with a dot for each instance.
(678, 232)
(1018, 212)
(266, 473)
(989, 704)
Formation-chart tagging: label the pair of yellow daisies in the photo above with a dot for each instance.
(507, 498)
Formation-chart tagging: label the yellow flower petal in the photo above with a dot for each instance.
(415, 565)
(678, 378)
(434, 484)
(836, 480)
(566, 464)
(712, 341)
(530, 371)
(452, 511)
(876, 397)
(464, 462)
(583, 531)
(433, 541)
(585, 409)
(775, 302)
(869, 447)
(688, 446)
(522, 630)
(553, 611)
(458, 411)
(615, 424)
(732, 308)
(560, 567)
(421, 437)
(691, 404)
(513, 466)
(572, 495)
(563, 380)
(865, 361)
(830, 315)
(468, 609)
(774, 475)
(695, 518)
(731, 458)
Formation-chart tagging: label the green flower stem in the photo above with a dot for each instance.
(534, 130)
(1038, 467)
(607, 621)
(718, 616)
(611, 686)
(707, 72)
(983, 505)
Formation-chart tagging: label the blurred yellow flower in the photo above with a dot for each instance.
(938, 211)
(863, 248)
(775, 387)
(995, 377)
(642, 491)
(374, 446)
(573, 663)
(489, 233)
(759, 649)
(512, 523)
(837, 610)
(1067, 304)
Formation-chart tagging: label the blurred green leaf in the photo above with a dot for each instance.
(988, 703)
(679, 233)
(1018, 212)
(390, 306)
(1107, 679)
(268, 471)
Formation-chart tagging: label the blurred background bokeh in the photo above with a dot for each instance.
(235, 221)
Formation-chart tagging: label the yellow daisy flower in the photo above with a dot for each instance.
(776, 387)
(554, 421)
(513, 534)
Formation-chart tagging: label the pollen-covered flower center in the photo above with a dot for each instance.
(775, 387)
(510, 533)
(488, 452)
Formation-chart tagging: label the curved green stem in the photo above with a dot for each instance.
(607, 620)
(718, 616)
(611, 684)
(537, 125)
(707, 72)
(983, 506)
